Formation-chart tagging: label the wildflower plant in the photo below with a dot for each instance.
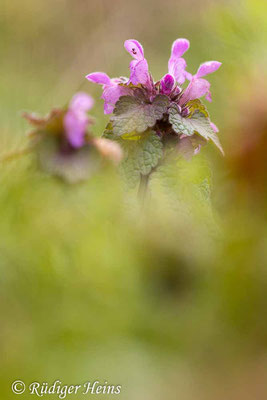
(63, 142)
(151, 120)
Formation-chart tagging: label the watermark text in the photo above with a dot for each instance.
(41, 389)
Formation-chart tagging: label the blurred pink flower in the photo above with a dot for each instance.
(76, 119)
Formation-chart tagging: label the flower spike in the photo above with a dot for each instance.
(64, 145)
(158, 112)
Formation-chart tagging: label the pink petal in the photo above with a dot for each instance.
(111, 95)
(75, 126)
(132, 67)
(208, 96)
(214, 127)
(99, 77)
(134, 48)
(167, 83)
(179, 47)
(177, 68)
(82, 102)
(208, 68)
(108, 108)
(139, 72)
(188, 75)
(196, 88)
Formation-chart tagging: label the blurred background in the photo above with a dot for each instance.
(170, 304)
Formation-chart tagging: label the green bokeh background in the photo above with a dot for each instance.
(170, 303)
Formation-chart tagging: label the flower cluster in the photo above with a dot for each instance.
(150, 121)
(65, 147)
(139, 103)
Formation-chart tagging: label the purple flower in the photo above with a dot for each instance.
(138, 67)
(167, 84)
(112, 90)
(177, 64)
(76, 119)
(199, 87)
(64, 144)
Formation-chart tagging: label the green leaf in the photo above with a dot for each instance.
(108, 134)
(203, 128)
(179, 124)
(198, 123)
(135, 114)
(140, 156)
(195, 105)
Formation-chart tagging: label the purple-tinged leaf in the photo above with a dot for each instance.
(133, 114)
(198, 123)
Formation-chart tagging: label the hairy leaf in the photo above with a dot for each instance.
(203, 128)
(198, 123)
(134, 114)
(140, 156)
(179, 124)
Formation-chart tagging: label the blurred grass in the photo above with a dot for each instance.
(90, 287)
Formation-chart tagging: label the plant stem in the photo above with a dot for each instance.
(142, 190)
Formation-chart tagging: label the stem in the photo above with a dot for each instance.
(142, 190)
